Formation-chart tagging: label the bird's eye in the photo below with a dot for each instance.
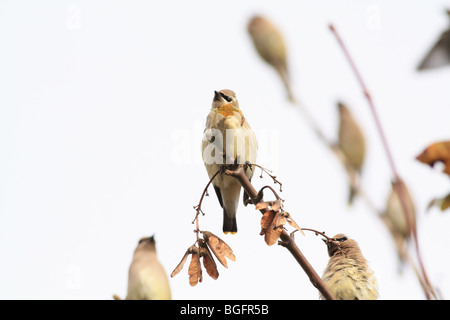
(341, 239)
(226, 97)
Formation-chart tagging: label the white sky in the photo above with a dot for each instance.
(102, 108)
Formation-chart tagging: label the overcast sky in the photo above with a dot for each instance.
(102, 110)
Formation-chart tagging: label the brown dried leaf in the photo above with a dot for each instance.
(292, 223)
(266, 221)
(441, 203)
(219, 247)
(181, 264)
(208, 261)
(279, 220)
(276, 205)
(261, 205)
(195, 270)
(272, 234)
(437, 152)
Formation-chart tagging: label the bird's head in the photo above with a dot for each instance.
(224, 97)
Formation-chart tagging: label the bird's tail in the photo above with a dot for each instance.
(229, 224)
(351, 195)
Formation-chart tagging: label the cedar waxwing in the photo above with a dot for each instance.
(396, 220)
(228, 140)
(348, 275)
(270, 45)
(147, 279)
(439, 54)
(351, 143)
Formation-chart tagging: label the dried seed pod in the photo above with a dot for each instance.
(219, 247)
(208, 260)
(179, 267)
(195, 270)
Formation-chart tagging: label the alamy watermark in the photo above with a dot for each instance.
(223, 148)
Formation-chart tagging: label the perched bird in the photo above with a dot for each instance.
(439, 54)
(147, 279)
(228, 141)
(351, 142)
(271, 47)
(348, 275)
(395, 218)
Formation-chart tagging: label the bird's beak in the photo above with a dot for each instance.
(217, 96)
(332, 246)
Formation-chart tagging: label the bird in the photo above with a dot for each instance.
(271, 47)
(348, 275)
(395, 218)
(228, 141)
(439, 55)
(147, 279)
(394, 210)
(351, 142)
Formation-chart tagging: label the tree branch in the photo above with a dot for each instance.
(286, 240)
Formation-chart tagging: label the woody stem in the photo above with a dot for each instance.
(286, 240)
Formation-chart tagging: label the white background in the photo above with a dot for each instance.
(102, 108)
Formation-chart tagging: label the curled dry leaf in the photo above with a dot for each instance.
(219, 248)
(437, 152)
(262, 205)
(441, 203)
(279, 220)
(195, 270)
(274, 205)
(273, 233)
(208, 261)
(292, 223)
(272, 223)
(266, 221)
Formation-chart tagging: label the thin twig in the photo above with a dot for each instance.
(273, 191)
(400, 190)
(317, 233)
(286, 239)
(198, 207)
(269, 172)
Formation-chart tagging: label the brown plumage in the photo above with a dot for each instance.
(147, 279)
(270, 45)
(348, 275)
(228, 140)
(351, 142)
(395, 218)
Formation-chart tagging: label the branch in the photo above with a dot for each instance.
(198, 208)
(400, 191)
(286, 239)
